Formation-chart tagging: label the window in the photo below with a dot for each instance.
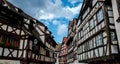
(100, 15)
(113, 36)
(47, 53)
(35, 46)
(10, 42)
(111, 20)
(90, 44)
(83, 47)
(99, 40)
(78, 22)
(94, 2)
(79, 49)
(92, 24)
(85, 13)
(35, 41)
(110, 13)
(79, 35)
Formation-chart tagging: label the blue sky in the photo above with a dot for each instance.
(55, 14)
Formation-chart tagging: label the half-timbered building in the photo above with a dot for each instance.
(116, 11)
(63, 51)
(75, 39)
(72, 42)
(23, 38)
(97, 40)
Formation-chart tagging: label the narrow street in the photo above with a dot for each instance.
(60, 32)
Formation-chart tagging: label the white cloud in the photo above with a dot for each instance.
(42, 11)
(74, 1)
(55, 22)
(51, 11)
(46, 16)
(48, 11)
(62, 28)
(46, 23)
(74, 10)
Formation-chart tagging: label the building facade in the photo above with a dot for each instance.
(72, 42)
(116, 11)
(24, 39)
(63, 52)
(75, 39)
(97, 38)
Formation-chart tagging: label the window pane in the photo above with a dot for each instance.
(111, 20)
(92, 24)
(100, 15)
(99, 40)
(91, 44)
(113, 36)
(94, 2)
(110, 13)
(79, 36)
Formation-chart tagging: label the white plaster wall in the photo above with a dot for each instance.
(9, 62)
(116, 15)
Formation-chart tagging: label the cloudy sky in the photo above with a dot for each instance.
(55, 14)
